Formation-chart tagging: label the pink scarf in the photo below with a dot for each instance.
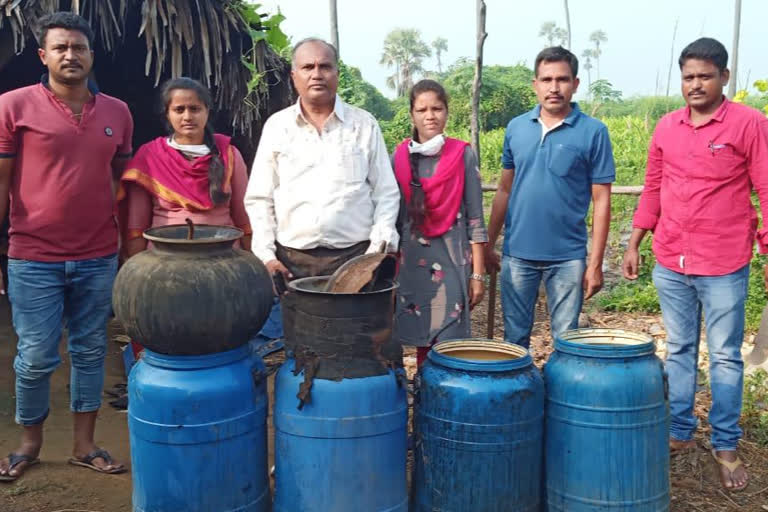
(165, 173)
(443, 191)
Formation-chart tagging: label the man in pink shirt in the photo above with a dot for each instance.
(62, 146)
(703, 162)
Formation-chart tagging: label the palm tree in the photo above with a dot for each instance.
(587, 55)
(547, 31)
(568, 22)
(440, 44)
(561, 35)
(390, 58)
(597, 37)
(405, 50)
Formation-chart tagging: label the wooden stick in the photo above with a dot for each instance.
(633, 190)
(491, 307)
(478, 79)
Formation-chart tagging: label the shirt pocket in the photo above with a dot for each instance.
(294, 161)
(350, 166)
(721, 160)
(565, 160)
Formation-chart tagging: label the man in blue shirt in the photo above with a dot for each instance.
(555, 159)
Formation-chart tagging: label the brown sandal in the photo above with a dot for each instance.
(731, 467)
(87, 462)
(685, 446)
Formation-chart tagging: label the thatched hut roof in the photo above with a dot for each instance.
(140, 43)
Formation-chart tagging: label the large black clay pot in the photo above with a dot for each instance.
(338, 336)
(192, 296)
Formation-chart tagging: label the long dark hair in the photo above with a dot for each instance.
(216, 167)
(417, 208)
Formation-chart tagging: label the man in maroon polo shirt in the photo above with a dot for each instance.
(62, 147)
(703, 162)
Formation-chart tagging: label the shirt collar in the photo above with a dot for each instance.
(719, 115)
(92, 87)
(339, 110)
(570, 119)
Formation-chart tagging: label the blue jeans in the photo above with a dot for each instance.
(273, 327)
(269, 338)
(43, 296)
(683, 298)
(520, 280)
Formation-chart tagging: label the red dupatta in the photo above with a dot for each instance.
(165, 173)
(443, 191)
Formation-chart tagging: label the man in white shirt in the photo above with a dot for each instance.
(322, 188)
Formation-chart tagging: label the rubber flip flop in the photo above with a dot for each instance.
(731, 467)
(87, 462)
(15, 459)
(120, 402)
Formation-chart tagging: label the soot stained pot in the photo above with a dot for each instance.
(192, 292)
(338, 336)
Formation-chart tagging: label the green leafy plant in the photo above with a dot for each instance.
(262, 27)
(356, 91)
(648, 108)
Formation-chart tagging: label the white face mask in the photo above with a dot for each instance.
(190, 150)
(429, 148)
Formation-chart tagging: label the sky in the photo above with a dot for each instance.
(635, 58)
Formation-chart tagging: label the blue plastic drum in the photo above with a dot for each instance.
(479, 429)
(607, 422)
(198, 433)
(344, 450)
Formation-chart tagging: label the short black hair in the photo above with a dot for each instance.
(707, 49)
(557, 54)
(67, 20)
(308, 40)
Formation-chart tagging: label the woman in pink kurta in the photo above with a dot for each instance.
(190, 174)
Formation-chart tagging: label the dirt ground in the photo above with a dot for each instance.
(695, 481)
(55, 486)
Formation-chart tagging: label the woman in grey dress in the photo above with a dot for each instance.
(443, 230)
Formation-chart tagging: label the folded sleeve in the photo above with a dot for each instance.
(125, 149)
(603, 167)
(8, 136)
(507, 155)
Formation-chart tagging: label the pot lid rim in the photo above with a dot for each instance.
(151, 235)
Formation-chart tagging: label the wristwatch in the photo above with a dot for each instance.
(477, 277)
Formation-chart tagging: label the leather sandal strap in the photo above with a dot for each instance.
(98, 454)
(14, 459)
(731, 466)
